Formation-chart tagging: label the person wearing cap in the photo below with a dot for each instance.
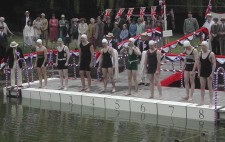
(124, 34)
(116, 32)
(85, 62)
(140, 27)
(37, 28)
(99, 32)
(107, 64)
(132, 64)
(62, 60)
(190, 24)
(74, 31)
(215, 37)
(53, 30)
(133, 28)
(208, 24)
(206, 69)
(152, 67)
(3, 42)
(44, 29)
(190, 66)
(11, 58)
(221, 34)
(111, 42)
(62, 25)
(91, 31)
(6, 28)
(41, 62)
(26, 19)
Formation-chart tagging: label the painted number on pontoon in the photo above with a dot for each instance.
(172, 110)
(142, 108)
(117, 104)
(201, 114)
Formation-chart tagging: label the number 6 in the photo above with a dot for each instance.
(142, 108)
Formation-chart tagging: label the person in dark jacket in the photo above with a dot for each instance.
(13, 56)
(3, 43)
(112, 43)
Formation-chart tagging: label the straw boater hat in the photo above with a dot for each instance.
(62, 16)
(13, 44)
(144, 34)
(109, 35)
(75, 20)
(209, 15)
(42, 14)
(27, 12)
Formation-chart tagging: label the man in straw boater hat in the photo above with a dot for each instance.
(222, 36)
(132, 65)
(13, 54)
(111, 42)
(206, 68)
(190, 66)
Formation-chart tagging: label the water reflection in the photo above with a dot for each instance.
(34, 120)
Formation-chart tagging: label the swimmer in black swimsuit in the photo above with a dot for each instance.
(206, 68)
(190, 65)
(41, 62)
(62, 60)
(107, 65)
(152, 66)
(85, 61)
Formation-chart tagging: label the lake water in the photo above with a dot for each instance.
(35, 121)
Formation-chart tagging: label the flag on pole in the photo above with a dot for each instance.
(119, 13)
(107, 14)
(153, 13)
(142, 13)
(129, 13)
(209, 8)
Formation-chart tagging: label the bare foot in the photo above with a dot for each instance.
(160, 97)
(87, 90)
(136, 94)
(210, 105)
(45, 87)
(65, 88)
(185, 98)
(113, 90)
(201, 104)
(151, 97)
(128, 94)
(83, 89)
(102, 91)
(190, 99)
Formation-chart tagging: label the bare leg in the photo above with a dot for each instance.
(186, 82)
(129, 73)
(40, 77)
(105, 78)
(65, 73)
(202, 82)
(88, 73)
(82, 80)
(134, 75)
(61, 79)
(45, 76)
(151, 84)
(210, 87)
(192, 81)
(110, 71)
(158, 84)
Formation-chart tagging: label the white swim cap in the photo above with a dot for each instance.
(186, 43)
(104, 41)
(151, 42)
(84, 36)
(39, 41)
(204, 43)
(132, 40)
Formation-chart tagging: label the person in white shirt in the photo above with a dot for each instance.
(29, 35)
(209, 22)
(6, 29)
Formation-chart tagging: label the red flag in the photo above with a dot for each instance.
(107, 14)
(119, 13)
(209, 8)
(129, 13)
(142, 13)
(153, 13)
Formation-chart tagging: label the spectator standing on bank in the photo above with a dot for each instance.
(99, 32)
(6, 28)
(132, 28)
(44, 29)
(29, 35)
(82, 28)
(74, 31)
(62, 24)
(140, 27)
(116, 32)
(124, 34)
(37, 28)
(209, 22)
(222, 36)
(3, 43)
(108, 26)
(53, 30)
(215, 37)
(190, 24)
(91, 31)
